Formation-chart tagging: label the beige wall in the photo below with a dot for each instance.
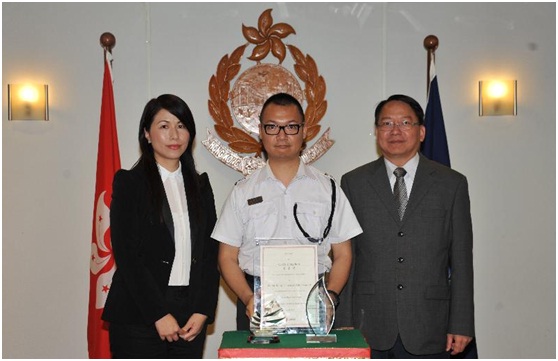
(366, 52)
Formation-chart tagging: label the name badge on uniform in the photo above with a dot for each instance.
(256, 200)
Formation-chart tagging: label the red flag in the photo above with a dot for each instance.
(102, 260)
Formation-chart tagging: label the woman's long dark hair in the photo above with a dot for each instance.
(179, 109)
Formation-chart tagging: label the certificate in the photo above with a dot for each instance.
(288, 273)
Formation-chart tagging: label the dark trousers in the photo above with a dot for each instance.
(143, 341)
(242, 321)
(398, 351)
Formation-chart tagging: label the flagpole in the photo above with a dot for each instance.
(102, 264)
(430, 44)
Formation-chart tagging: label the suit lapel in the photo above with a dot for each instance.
(423, 181)
(167, 217)
(379, 182)
(194, 223)
(166, 212)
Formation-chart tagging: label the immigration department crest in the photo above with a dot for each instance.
(241, 99)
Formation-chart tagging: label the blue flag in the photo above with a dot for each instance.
(435, 147)
(435, 144)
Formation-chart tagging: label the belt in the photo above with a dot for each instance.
(250, 278)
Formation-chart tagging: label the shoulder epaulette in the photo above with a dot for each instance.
(330, 177)
(240, 181)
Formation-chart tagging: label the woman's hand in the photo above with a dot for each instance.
(168, 328)
(193, 327)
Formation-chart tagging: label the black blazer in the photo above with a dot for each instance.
(143, 248)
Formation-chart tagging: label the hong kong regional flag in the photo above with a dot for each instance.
(102, 260)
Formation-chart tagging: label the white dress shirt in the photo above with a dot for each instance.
(176, 195)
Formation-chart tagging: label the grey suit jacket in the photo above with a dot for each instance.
(399, 281)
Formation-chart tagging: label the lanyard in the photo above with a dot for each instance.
(326, 230)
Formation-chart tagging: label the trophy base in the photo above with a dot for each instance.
(263, 337)
(321, 338)
(263, 340)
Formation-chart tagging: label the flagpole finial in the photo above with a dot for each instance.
(108, 41)
(431, 42)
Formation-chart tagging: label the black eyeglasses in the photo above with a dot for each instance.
(289, 129)
(389, 125)
(326, 230)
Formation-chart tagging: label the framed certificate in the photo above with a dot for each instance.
(287, 274)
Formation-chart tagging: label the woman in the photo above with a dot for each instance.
(164, 291)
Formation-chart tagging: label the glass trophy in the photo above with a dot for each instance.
(288, 271)
(267, 320)
(320, 312)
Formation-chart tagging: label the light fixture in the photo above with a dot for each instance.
(497, 97)
(27, 102)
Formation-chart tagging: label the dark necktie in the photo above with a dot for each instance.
(400, 191)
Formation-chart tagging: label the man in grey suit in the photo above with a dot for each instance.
(411, 286)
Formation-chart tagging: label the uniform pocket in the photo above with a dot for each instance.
(261, 219)
(312, 217)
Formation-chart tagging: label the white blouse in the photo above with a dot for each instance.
(176, 195)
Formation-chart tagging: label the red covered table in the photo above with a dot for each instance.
(350, 344)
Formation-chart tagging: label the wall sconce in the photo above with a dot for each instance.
(27, 102)
(498, 97)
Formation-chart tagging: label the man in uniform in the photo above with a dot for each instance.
(285, 199)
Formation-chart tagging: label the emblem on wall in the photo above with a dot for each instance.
(240, 148)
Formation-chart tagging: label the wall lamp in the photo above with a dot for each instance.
(27, 102)
(497, 97)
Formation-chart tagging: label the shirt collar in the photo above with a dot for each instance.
(165, 174)
(302, 172)
(410, 167)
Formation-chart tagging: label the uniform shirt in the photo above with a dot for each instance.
(411, 169)
(176, 195)
(261, 207)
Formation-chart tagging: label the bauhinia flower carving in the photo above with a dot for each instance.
(267, 37)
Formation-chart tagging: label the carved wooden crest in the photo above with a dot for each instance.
(252, 87)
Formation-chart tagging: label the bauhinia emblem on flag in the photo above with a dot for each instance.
(101, 252)
(102, 263)
(435, 144)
